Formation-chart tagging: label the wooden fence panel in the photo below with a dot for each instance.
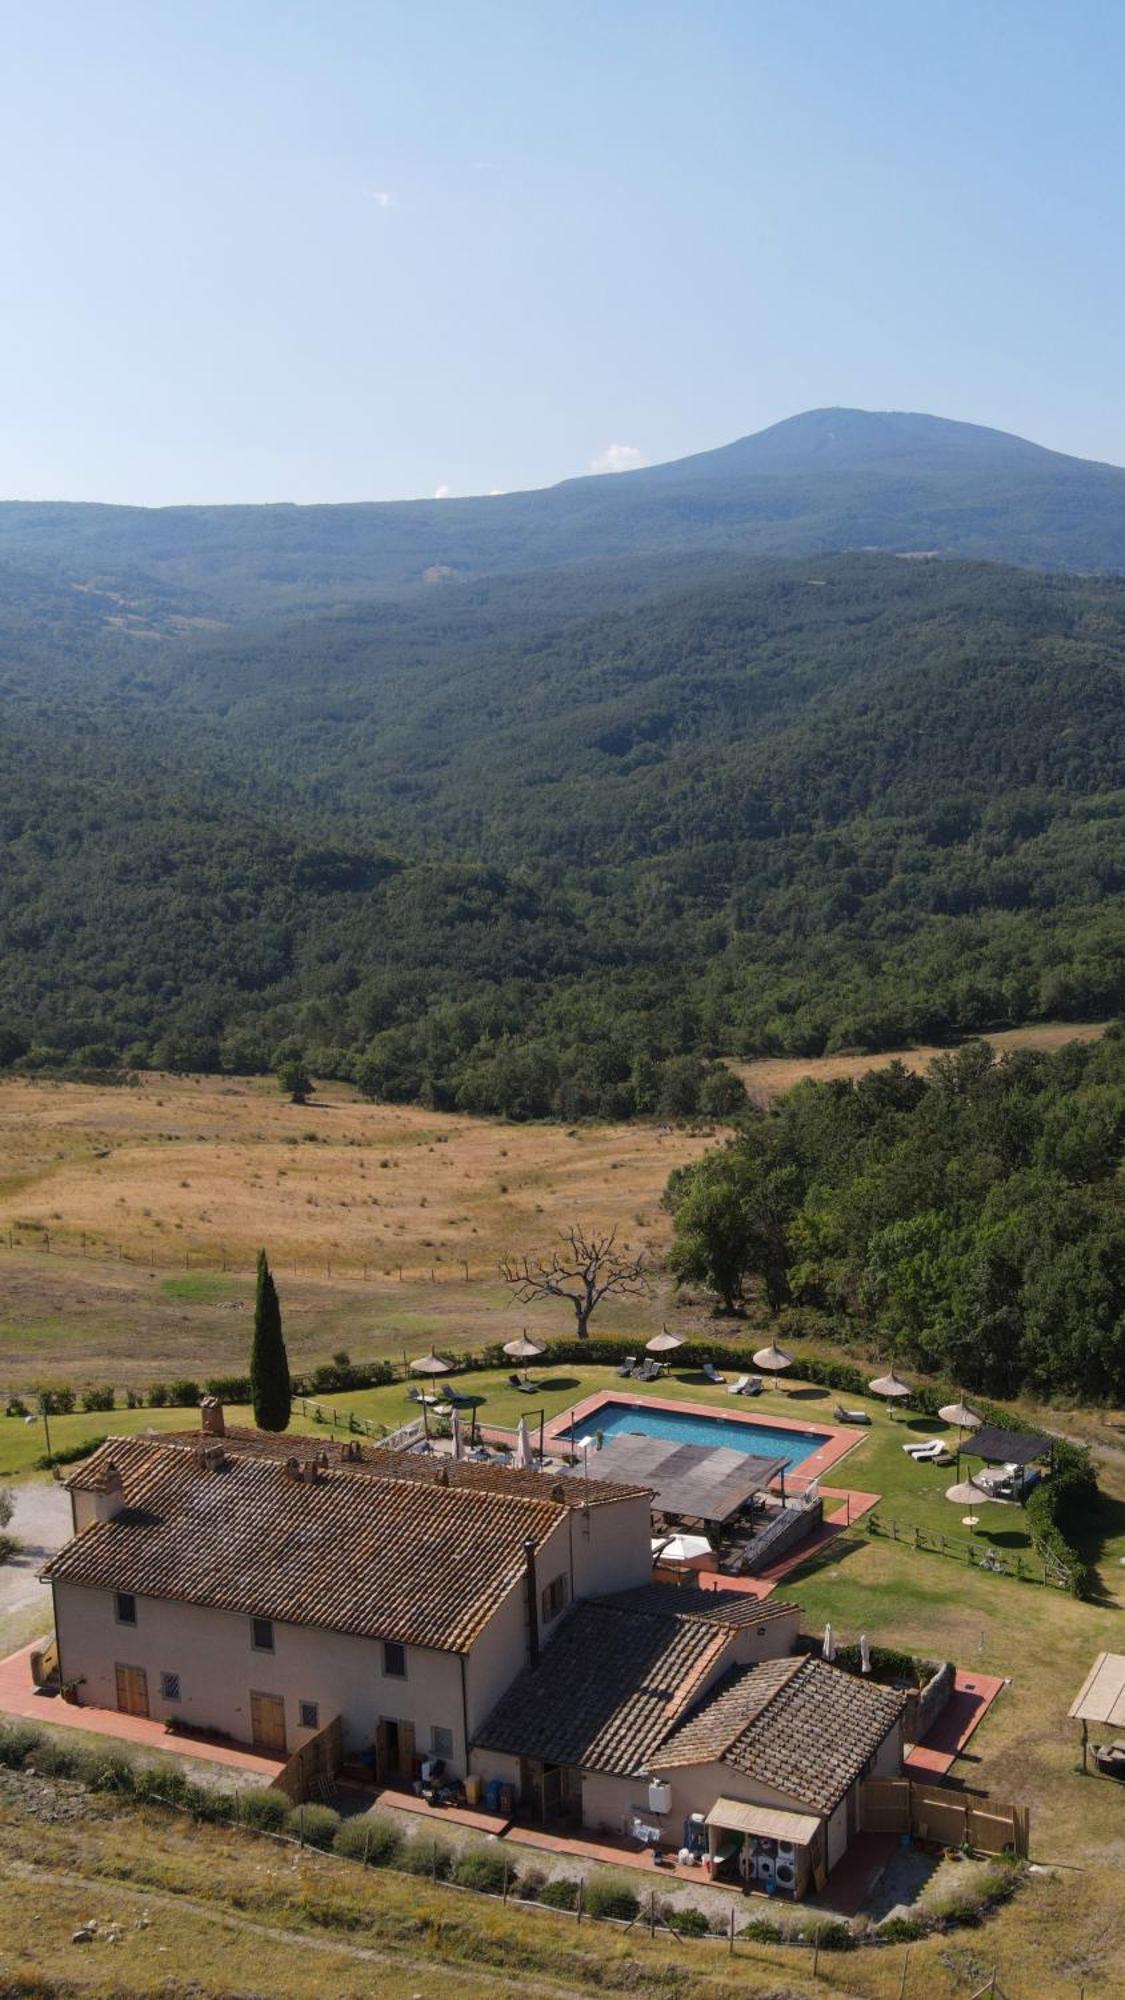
(317, 1759)
(943, 1814)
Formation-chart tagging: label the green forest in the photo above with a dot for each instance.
(969, 1221)
(549, 844)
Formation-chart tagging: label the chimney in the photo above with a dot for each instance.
(292, 1468)
(211, 1417)
(212, 1456)
(532, 1604)
(111, 1499)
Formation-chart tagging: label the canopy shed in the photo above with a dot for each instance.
(694, 1481)
(998, 1447)
(1101, 1698)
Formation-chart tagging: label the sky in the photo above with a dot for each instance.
(262, 251)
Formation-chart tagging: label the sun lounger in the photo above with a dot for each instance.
(529, 1388)
(454, 1396)
(648, 1372)
(932, 1449)
(737, 1388)
(628, 1365)
(712, 1373)
(843, 1416)
(1110, 1758)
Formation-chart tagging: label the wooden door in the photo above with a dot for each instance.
(406, 1749)
(132, 1690)
(267, 1722)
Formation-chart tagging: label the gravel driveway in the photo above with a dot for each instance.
(42, 1523)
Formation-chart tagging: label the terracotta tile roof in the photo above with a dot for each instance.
(607, 1689)
(427, 1468)
(714, 1607)
(797, 1725)
(350, 1551)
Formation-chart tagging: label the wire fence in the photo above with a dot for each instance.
(40, 1240)
(1026, 1566)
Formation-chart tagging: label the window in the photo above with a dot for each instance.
(261, 1634)
(125, 1608)
(394, 1659)
(310, 1714)
(169, 1687)
(554, 1599)
(441, 1742)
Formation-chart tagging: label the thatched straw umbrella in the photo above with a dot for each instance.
(891, 1387)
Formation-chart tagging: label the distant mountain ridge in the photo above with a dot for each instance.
(826, 481)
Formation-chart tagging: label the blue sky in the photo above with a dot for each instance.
(362, 251)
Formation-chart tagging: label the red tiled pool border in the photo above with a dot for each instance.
(838, 1438)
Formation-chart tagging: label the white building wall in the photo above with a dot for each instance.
(838, 1833)
(212, 1653)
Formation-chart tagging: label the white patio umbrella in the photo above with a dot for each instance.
(458, 1442)
(681, 1548)
(663, 1343)
(524, 1460)
(890, 1387)
(431, 1364)
(828, 1645)
(773, 1359)
(864, 1653)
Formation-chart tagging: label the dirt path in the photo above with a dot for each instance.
(41, 1521)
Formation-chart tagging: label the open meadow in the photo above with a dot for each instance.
(131, 1216)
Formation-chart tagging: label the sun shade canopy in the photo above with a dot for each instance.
(1101, 1697)
(523, 1349)
(773, 1359)
(890, 1385)
(663, 1343)
(696, 1481)
(1006, 1447)
(431, 1364)
(768, 1822)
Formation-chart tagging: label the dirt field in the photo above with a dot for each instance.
(771, 1075)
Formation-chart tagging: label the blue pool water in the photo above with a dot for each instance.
(762, 1440)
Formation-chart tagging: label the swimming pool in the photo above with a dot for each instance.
(761, 1440)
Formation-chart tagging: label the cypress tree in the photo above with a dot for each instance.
(270, 1390)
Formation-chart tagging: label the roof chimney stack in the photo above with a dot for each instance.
(109, 1498)
(211, 1417)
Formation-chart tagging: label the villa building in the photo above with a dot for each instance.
(504, 1621)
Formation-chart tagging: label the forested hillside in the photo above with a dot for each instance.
(825, 480)
(545, 844)
(971, 1216)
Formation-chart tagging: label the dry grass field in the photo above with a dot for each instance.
(130, 1218)
(771, 1075)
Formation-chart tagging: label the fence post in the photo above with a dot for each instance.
(652, 1912)
(433, 1863)
(578, 1904)
(504, 1896)
(730, 1944)
(905, 1970)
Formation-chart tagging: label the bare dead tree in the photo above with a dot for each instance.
(587, 1270)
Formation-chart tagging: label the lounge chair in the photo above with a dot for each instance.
(932, 1449)
(455, 1397)
(843, 1416)
(737, 1388)
(529, 1388)
(712, 1373)
(649, 1371)
(628, 1365)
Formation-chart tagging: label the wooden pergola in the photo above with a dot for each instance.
(1101, 1698)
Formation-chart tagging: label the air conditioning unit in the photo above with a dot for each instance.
(786, 1851)
(785, 1874)
(764, 1867)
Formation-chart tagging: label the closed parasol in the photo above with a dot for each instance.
(524, 1459)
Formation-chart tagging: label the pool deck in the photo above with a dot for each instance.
(839, 1439)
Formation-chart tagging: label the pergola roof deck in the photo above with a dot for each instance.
(999, 1447)
(698, 1482)
(1101, 1697)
